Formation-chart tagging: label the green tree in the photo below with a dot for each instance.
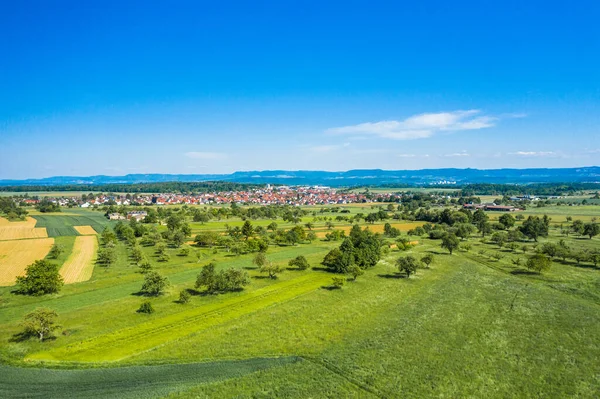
(311, 236)
(535, 227)
(591, 229)
(184, 297)
(260, 259)
(355, 271)
(338, 282)
(247, 229)
(106, 256)
(507, 220)
(427, 260)
(538, 263)
(55, 251)
(299, 262)
(272, 269)
(407, 264)
(450, 242)
(41, 277)
(154, 284)
(146, 307)
(40, 323)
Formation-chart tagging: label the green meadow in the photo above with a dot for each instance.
(474, 324)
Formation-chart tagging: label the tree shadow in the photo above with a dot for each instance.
(330, 287)
(262, 278)
(393, 276)
(250, 268)
(320, 269)
(524, 272)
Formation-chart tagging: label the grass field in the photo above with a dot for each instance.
(469, 326)
(79, 266)
(16, 255)
(63, 224)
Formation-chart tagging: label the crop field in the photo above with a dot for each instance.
(85, 230)
(20, 229)
(63, 224)
(476, 323)
(16, 255)
(79, 266)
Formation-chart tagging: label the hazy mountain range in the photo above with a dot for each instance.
(348, 178)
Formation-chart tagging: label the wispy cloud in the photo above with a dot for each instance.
(458, 154)
(205, 155)
(534, 153)
(420, 126)
(328, 148)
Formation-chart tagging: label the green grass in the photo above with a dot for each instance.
(470, 326)
(125, 382)
(61, 224)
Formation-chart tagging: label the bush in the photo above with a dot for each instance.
(184, 297)
(338, 282)
(146, 307)
(300, 262)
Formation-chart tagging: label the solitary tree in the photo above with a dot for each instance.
(40, 323)
(41, 277)
(146, 307)
(355, 271)
(56, 250)
(450, 242)
(591, 229)
(154, 284)
(427, 260)
(338, 282)
(539, 263)
(272, 269)
(184, 297)
(260, 259)
(407, 264)
(300, 262)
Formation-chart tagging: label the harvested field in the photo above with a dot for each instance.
(80, 264)
(20, 230)
(16, 255)
(376, 228)
(85, 230)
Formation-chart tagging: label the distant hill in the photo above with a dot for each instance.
(336, 179)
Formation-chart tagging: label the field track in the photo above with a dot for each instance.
(16, 255)
(80, 264)
(85, 230)
(20, 230)
(128, 342)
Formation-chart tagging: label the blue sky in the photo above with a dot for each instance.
(214, 87)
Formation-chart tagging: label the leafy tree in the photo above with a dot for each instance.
(145, 266)
(108, 236)
(507, 220)
(272, 226)
(207, 276)
(499, 238)
(591, 229)
(40, 323)
(272, 269)
(427, 260)
(184, 297)
(464, 230)
(207, 239)
(299, 262)
(41, 277)
(146, 307)
(154, 284)
(355, 271)
(55, 251)
(136, 254)
(534, 227)
(106, 256)
(338, 282)
(311, 236)
(407, 264)
(578, 227)
(178, 238)
(450, 242)
(538, 263)
(480, 219)
(260, 259)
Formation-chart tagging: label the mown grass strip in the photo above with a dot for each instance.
(134, 340)
(125, 382)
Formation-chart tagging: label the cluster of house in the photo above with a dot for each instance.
(137, 215)
(284, 195)
(492, 207)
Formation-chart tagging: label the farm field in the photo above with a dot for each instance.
(474, 324)
(20, 229)
(64, 223)
(85, 230)
(16, 255)
(79, 266)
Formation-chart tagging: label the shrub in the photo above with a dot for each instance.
(146, 307)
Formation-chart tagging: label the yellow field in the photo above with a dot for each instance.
(85, 230)
(376, 228)
(80, 264)
(16, 255)
(19, 230)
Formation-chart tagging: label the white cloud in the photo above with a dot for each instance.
(420, 126)
(329, 148)
(406, 155)
(458, 154)
(205, 155)
(534, 153)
